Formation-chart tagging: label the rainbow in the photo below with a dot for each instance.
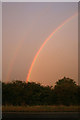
(19, 46)
(13, 59)
(44, 43)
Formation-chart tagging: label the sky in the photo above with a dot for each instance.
(25, 27)
(0, 41)
(40, 0)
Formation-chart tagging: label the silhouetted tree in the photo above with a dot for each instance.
(65, 92)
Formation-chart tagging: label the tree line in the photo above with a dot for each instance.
(65, 92)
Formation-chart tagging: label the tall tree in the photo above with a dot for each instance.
(65, 92)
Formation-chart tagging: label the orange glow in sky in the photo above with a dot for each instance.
(50, 36)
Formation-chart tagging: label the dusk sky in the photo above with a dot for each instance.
(25, 28)
(0, 42)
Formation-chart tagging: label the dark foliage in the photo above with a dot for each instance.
(65, 92)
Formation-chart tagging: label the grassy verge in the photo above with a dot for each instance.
(40, 108)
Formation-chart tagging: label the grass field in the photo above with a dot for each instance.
(40, 108)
